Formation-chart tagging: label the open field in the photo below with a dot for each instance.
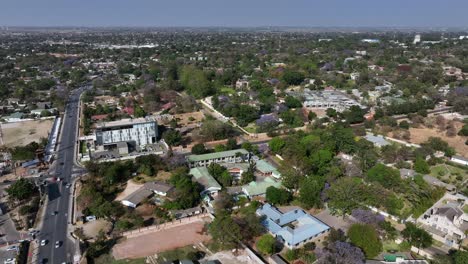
(161, 240)
(422, 134)
(449, 174)
(23, 133)
(189, 118)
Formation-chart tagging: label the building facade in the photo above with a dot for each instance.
(140, 131)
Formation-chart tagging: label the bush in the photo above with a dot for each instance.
(267, 244)
(291, 255)
(365, 237)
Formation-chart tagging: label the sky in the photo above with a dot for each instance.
(235, 13)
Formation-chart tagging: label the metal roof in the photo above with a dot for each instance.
(203, 177)
(216, 155)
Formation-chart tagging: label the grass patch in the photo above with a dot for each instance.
(465, 209)
(251, 128)
(390, 245)
(227, 90)
(180, 253)
(109, 259)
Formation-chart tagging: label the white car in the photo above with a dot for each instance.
(15, 248)
(57, 244)
(10, 261)
(43, 242)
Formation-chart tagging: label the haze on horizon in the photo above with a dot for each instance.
(239, 13)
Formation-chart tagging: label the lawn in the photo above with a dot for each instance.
(227, 90)
(390, 245)
(179, 253)
(448, 173)
(251, 128)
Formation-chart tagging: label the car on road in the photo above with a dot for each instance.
(10, 261)
(54, 213)
(15, 248)
(43, 242)
(68, 185)
(44, 261)
(58, 244)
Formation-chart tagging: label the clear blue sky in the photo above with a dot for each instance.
(414, 13)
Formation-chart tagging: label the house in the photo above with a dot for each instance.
(436, 182)
(236, 169)
(159, 188)
(44, 105)
(204, 178)
(258, 188)
(459, 160)
(178, 214)
(242, 84)
(447, 220)
(266, 169)
(230, 156)
(293, 228)
(15, 117)
(407, 173)
(378, 141)
(135, 198)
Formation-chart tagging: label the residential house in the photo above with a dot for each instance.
(179, 214)
(135, 198)
(159, 188)
(230, 156)
(436, 182)
(210, 186)
(258, 188)
(459, 160)
(15, 117)
(266, 169)
(236, 169)
(447, 220)
(378, 140)
(293, 228)
(407, 173)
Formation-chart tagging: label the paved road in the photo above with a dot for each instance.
(55, 227)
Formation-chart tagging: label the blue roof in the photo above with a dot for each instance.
(30, 163)
(305, 227)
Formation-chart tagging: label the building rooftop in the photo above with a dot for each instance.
(216, 155)
(377, 140)
(295, 226)
(137, 196)
(159, 186)
(125, 122)
(259, 188)
(203, 177)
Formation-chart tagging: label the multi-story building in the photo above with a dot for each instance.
(230, 156)
(137, 132)
(323, 99)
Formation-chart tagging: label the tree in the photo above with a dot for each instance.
(341, 253)
(311, 115)
(267, 244)
(365, 237)
(331, 112)
(276, 144)
(247, 177)
(421, 166)
(199, 149)
(463, 131)
(384, 175)
(460, 257)
(172, 137)
(277, 196)
(404, 124)
(416, 236)
(22, 189)
(293, 77)
(292, 102)
(345, 195)
(354, 115)
(309, 192)
(367, 217)
(225, 231)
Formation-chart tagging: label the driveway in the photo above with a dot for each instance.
(336, 222)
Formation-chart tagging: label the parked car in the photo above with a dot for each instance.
(13, 248)
(90, 218)
(58, 244)
(43, 242)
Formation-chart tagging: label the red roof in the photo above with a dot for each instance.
(98, 117)
(129, 110)
(168, 106)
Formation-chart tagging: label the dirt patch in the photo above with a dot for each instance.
(23, 133)
(160, 241)
(189, 118)
(129, 189)
(422, 134)
(228, 257)
(91, 229)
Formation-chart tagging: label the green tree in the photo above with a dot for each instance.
(267, 244)
(277, 196)
(225, 231)
(293, 77)
(365, 237)
(416, 236)
(22, 189)
(309, 192)
(199, 149)
(460, 257)
(195, 82)
(276, 144)
(345, 195)
(384, 175)
(421, 166)
(172, 137)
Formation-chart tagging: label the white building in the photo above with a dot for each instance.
(324, 99)
(137, 132)
(446, 220)
(460, 160)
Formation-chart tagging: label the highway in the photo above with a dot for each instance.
(55, 227)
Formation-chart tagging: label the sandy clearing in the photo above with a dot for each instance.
(23, 133)
(421, 135)
(160, 241)
(131, 187)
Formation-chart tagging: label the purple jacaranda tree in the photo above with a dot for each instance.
(340, 253)
(367, 216)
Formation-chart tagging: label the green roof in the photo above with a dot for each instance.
(264, 166)
(216, 155)
(259, 188)
(393, 258)
(203, 177)
(16, 115)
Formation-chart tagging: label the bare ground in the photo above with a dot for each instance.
(160, 241)
(23, 133)
(129, 189)
(422, 134)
